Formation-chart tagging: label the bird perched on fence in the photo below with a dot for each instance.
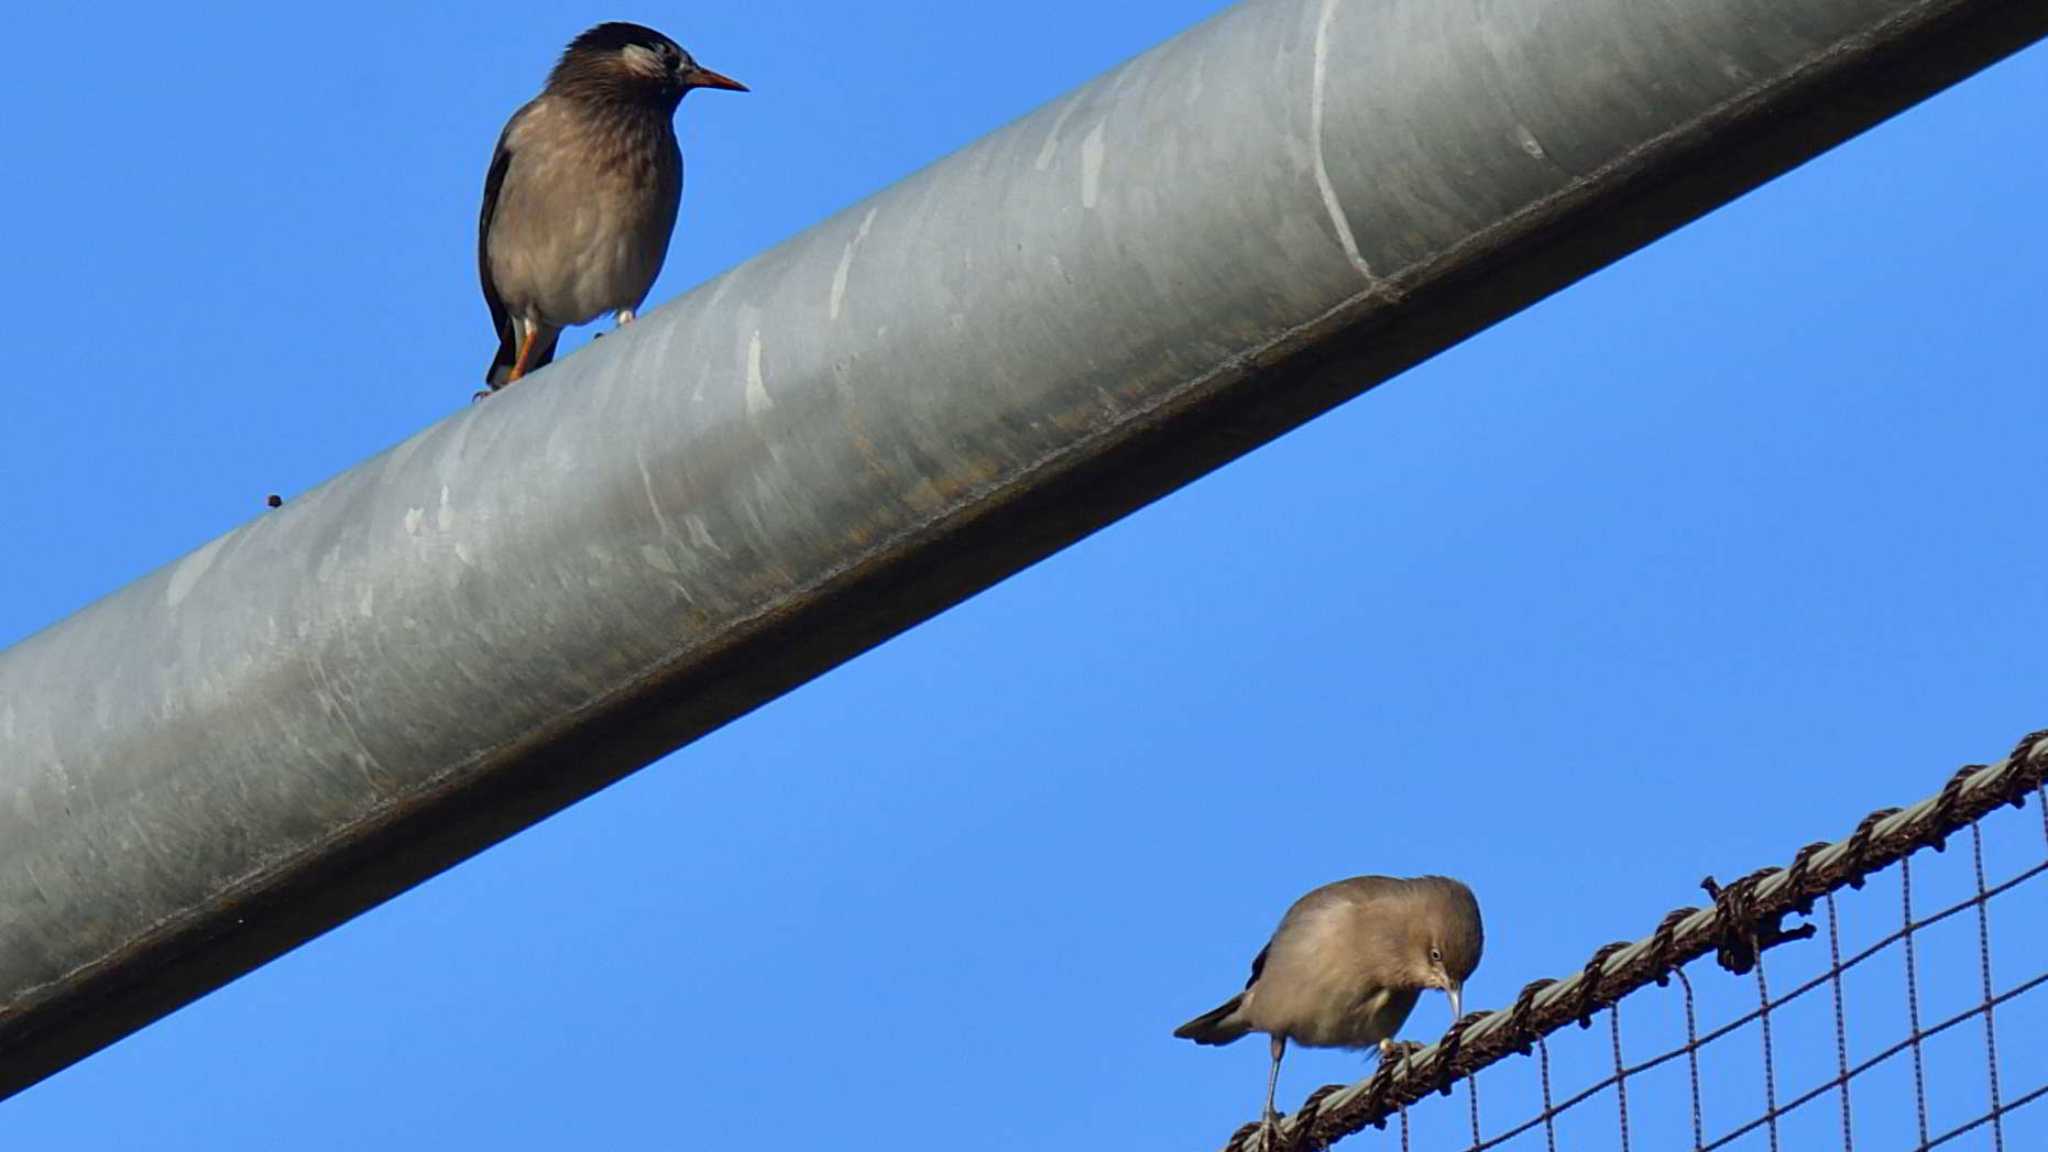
(1347, 965)
(583, 190)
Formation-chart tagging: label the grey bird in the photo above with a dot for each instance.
(1347, 965)
(582, 192)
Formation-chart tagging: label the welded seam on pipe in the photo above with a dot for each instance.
(1318, 82)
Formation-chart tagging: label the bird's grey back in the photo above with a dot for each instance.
(1394, 893)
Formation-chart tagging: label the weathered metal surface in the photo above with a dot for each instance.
(1152, 275)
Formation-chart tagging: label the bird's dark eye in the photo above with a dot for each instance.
(1436, 956)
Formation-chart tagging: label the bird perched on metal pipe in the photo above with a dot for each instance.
(1347, 965)
(583, 190)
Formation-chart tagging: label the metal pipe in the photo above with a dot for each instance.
(1152, 275)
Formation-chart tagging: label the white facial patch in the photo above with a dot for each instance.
(645, 60)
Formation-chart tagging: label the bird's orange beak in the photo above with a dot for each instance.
(706, 78)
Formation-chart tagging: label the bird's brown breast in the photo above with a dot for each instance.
(584, 216)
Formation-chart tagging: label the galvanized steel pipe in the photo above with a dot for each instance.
(1164, 269)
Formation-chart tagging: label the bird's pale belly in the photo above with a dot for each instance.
(1357, 1022)
(583, 271)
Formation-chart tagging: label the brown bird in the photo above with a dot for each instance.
(1347, 965)
(583, 190)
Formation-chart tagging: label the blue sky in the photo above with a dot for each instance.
(1681, 569)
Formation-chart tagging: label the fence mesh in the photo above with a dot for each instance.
(1908, 1011)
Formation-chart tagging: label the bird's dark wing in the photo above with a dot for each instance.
(501, 159)
(1258, 964)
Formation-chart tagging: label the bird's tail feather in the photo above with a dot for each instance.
(1217, 1026)
(508, 354)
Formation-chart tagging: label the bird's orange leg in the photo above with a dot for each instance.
(526, 343)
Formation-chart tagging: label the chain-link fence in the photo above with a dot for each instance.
(1890, 1019)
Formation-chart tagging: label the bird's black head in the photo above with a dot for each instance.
(632, 62)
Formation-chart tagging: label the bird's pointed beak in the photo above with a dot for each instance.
(1457, 994)
(706, 78)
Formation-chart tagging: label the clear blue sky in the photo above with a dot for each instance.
(1673, 573)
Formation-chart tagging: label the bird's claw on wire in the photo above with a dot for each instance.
(1392, 1052)
(1263, 1130)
